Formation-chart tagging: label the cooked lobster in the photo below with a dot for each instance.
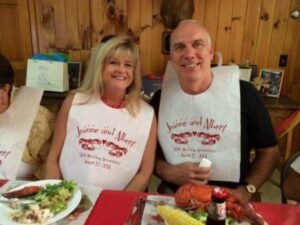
(199, 196)
(24, 192)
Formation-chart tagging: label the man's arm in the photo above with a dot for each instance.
(291, 186)
(261, 169)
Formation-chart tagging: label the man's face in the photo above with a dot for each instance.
(191, 53)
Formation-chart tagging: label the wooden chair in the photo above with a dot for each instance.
(286, 127)
(285, 171)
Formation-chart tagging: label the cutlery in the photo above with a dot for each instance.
(140, 208)
(16, 200)
(135, 217)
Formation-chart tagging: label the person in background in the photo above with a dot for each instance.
(291, 185)
(25, 126)
(208, 113)
(105, 133)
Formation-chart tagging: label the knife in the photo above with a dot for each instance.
(131, 216)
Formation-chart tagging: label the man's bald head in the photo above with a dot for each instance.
(189, 24)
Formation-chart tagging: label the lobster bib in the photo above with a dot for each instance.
(15, 126)
(207, 125)
(104, 146)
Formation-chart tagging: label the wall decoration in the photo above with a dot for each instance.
(272, 82)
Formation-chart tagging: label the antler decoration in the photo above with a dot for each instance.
(174, 11)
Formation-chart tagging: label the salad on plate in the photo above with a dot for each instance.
(45, 201)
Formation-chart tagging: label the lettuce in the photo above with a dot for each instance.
(201, 215)
(55, 196)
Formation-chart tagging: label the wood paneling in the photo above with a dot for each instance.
(15, 35)
(211, 19)
(199, 12)
(251, 29)
(145, 36)
(224, 28)
(278, 32)
(258, 31)
(264, 31)
(237, 31)
(97, 21)
(291, 81)
(158, 60)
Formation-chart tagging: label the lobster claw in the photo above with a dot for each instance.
(199, 196)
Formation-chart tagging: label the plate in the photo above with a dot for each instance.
(5, 210)
(150, 214)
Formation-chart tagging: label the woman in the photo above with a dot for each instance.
(25, 128)
(105, 134)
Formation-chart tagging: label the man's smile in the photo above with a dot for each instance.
(190, 65)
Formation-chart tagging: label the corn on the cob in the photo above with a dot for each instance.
(174, 216)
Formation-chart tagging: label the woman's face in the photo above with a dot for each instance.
(118, 72)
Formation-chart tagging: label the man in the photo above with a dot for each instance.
(291, 186)
(25, 128)
(210, 115)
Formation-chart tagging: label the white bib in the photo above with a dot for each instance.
(208, 125)
(15, 126)
(104, 146)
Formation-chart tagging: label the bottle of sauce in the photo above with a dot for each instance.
(217, 209)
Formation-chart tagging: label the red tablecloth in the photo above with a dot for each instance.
(113, 207)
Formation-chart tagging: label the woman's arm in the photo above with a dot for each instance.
(141, 180)
(52, 170)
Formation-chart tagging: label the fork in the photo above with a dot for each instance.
(16, 200)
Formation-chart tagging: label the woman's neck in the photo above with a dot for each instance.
(115, 100)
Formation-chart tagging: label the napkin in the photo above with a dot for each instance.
(108, 210)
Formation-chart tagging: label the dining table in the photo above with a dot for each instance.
(112, 207)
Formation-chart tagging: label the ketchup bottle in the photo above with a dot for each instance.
(217, 209)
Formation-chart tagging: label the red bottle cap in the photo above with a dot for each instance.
(220, 193)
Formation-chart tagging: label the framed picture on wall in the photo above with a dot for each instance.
(271, 82)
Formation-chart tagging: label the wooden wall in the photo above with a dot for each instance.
(254, 30)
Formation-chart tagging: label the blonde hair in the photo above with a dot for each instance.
(93, 85)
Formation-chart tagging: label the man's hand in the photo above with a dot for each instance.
(184, 173)
(242, 193)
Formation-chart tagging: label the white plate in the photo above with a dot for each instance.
(150, 212)
(5, 210)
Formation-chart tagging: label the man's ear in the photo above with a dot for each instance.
(211, 53)
(6, 88)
